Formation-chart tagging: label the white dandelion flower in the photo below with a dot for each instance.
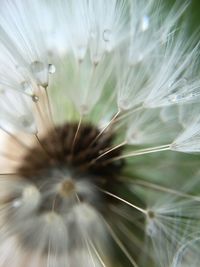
(96, 100)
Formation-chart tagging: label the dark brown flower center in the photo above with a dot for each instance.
(68, 155)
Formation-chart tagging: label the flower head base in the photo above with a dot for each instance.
(65, 163)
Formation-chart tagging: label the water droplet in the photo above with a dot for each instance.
(37, 66)
(107, 35)
(40, 71)
(84, 109)
(26, 87)
(81, 51)
(35, 98)
(52, 68)
(96, 59)
(124, 104)
(151, 228)
(134, 136)
(175, 98)
(144, 23)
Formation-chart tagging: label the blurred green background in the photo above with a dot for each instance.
(193, 11)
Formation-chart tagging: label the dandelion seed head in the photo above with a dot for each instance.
(96, 100)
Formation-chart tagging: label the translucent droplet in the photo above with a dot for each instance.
(35, 98)
(96, 59)
(37, 66)
(52, 68)
(84, 109)
(108, 39)
(151, 229)
(81, 51)
(107, 35)
(133, 136)
(144, 23)
(124, 104)
(40, 71)
(26, 87)
(140, 57)
(175, 98)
